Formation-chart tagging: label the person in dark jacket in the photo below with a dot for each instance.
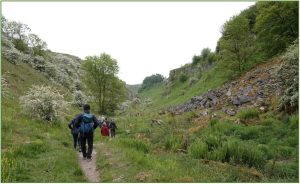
(75, 133)
(86, 123)
(112, 128)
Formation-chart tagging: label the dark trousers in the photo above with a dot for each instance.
(76, 139)
(112, 132)
(89, 139)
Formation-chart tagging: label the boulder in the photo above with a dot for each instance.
(230, 112)
(240, 100)
(196, 99)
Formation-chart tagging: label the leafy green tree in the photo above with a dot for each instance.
(17, 32)
(150, 81)
(196, 59)
(37, 44)
(237, 43)
(100, 78)
(183, 77)
(276, 25)
(205, 52)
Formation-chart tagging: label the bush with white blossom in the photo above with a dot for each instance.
(44, 102)
(12, 55)
(79, 98)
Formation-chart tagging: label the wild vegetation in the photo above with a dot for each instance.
(100, 78)
(231, 115)
(258, 143)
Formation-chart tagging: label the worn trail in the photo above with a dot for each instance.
(89, 167)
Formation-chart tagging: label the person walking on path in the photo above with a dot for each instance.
(86, 123)
(104, 129)
(101, 120)
(112, 128)
(75, 133)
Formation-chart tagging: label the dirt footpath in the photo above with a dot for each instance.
(89, 167)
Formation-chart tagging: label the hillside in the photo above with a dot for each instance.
(33, 150)
(228, 115)
(208, 137)
(231, 115)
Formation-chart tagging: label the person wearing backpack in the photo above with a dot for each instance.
(112, 128)
(75, 133)
(86, 123)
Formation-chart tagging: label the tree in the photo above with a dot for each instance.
(4, 24)
(150, 81)
(100, 78)
(205, 52)
(276, 25)
(37, 44)
(237, 43)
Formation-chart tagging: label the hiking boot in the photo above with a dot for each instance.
(89, 158)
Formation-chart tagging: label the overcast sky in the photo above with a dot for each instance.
(145, 37)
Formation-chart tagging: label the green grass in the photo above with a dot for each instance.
(248, 113)
(231, 145)
(32, 150)
(180, 91)
(165, 167)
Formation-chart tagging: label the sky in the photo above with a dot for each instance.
(144, 37)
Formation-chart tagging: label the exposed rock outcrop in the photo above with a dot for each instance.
(255, 88)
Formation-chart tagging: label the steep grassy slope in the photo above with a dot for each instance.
(204, 145)
(178, 92)
(33, 151)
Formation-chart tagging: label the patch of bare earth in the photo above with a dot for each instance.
(89, 167)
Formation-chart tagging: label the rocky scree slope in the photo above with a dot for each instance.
(255, 88)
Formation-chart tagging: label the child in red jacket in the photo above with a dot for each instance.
(104, 130)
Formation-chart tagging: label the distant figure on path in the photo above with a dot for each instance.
(86, 123)
(75, 133)
(112, 128)
(104, 129)
(101, 120)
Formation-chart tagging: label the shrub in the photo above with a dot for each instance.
(294, 121)
(6, 42)
(172, 143)
(38, 63)
(289, 77)
(212, 142)
(43, 102)
(58, 74)
(198, 149)
(183, 77)
(12, 55)
(21, 45)
(248, 113)
(79, 98)
(26, 58)
(240, 152)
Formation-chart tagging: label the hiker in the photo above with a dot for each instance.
(101, 120)
(104, 129)
(75, 133)
(112, 128)
(86, 123)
